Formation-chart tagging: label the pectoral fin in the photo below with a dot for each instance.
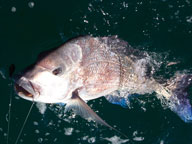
(81, 108)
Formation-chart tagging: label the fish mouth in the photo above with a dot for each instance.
(26, 89)
(21, 91)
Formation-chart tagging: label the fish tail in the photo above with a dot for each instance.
(177, 89)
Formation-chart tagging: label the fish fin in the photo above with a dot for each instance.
(81, 108)
(179, 101)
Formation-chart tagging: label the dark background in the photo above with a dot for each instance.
(161, 26)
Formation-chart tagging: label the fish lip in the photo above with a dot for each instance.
(26, 89)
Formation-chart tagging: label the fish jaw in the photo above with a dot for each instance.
(26, 89)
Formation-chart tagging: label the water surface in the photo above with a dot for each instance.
(30, 27)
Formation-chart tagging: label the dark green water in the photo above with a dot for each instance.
(26, 29)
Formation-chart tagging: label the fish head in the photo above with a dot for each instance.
(54, 76)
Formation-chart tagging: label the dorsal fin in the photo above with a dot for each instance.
(81, 108)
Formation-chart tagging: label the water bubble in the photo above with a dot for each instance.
(104, 13)
(189, 19)
(85, 138)
(35, 123)
(21, 140)
(138, 138)
(46, 134)
(36, 131)
(55, 140)
(125, 5)
(135, 133)
(13, 9)
(31, 4)
(7, 117)
(115, 139)
(42, 107)
(85, 21)
(77, 131)
(68, 131)
(40, 140)
(91, 140)
(188, 2)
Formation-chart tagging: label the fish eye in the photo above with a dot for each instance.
(57, 71)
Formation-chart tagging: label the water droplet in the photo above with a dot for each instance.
(40, 140)
(68, 131)
(35, 123)
(37, 131)
(46, 134)
(55, 140)
(189, 19)
(85, 21)
(13, 9)
(91, 140)
(31, 4)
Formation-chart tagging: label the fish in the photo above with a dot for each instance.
(86, 68)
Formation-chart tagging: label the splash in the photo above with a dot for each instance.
(41, 107)
(116, 140)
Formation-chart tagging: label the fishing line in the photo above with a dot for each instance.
(21, 130)
(9, 113)
(11, 71)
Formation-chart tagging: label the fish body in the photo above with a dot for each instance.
(87, 68)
